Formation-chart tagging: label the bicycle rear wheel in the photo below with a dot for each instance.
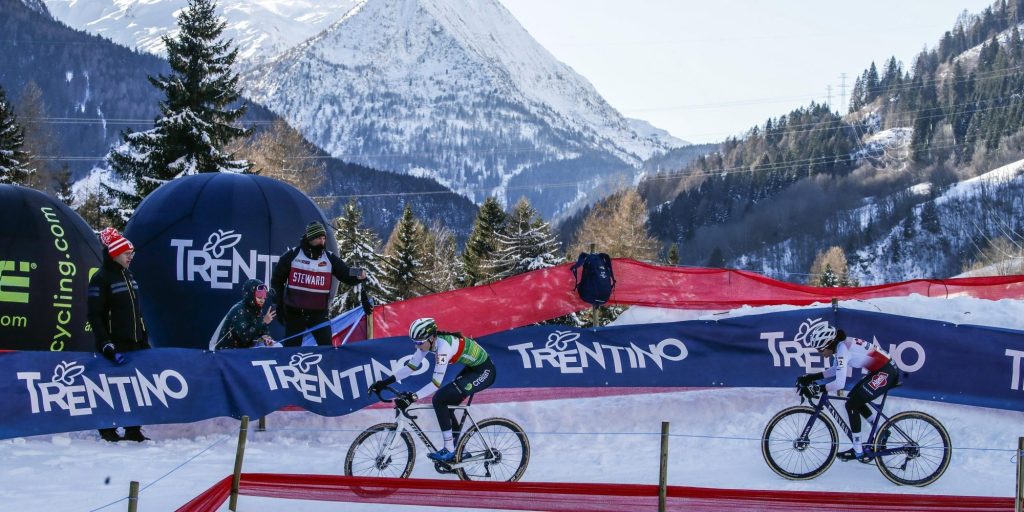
(793, 455)
(925, 449)
(370, 454)
(495, 449)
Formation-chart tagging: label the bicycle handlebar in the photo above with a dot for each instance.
(396, 393)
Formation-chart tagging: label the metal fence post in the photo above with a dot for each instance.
(239, 454)
(133, 496)
(663, 474)
(1018, 502)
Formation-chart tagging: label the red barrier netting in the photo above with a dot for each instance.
(576, 497)
(548, 293)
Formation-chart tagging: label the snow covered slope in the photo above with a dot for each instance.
(455, 90)
(452, 89)
(262, 29)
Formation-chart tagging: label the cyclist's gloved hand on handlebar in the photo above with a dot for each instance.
(379, 386)
(813, 390)
(404, 400)
(805, 380)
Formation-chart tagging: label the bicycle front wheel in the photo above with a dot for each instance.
(495, 449)
(793, 454)
(922, 445)
(376, 452)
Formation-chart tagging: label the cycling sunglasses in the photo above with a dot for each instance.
(420, 342)
(261, 291)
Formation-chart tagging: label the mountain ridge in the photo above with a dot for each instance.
(456, 90)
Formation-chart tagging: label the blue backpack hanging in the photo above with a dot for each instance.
(595, 281)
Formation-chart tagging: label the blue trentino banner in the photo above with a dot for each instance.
(59, 392)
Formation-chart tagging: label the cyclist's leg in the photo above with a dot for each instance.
(867, 390)
(444, 398)
(469, 381)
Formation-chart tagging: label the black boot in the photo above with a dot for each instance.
(110, 434)
(134, 434)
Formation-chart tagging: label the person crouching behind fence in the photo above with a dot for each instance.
(449, 348)
(246, 324)
(114, 314)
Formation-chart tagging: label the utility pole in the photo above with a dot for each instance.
(842, 92)
(829, 101)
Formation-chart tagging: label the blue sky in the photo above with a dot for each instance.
(707, 70)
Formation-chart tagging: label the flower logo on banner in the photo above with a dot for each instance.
(66, 372)
(304, 361)
(221, 240)
(559, 340)
(806, 327)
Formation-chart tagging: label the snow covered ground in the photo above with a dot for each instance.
(714, 443)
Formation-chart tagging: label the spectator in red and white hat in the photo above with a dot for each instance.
(114, 313)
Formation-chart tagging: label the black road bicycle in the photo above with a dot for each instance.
(492, 449)
(910, 448)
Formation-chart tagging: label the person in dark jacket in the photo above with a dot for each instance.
(114, 314)
(246, 324)
(302, 285)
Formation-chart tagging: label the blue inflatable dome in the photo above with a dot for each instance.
(198, 238)
(47, 253)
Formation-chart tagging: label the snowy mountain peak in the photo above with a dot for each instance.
(262, 29)
(37, 6)
(452, 89)
(455, 90)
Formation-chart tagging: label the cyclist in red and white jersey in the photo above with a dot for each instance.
(849, 353)
(449, 348)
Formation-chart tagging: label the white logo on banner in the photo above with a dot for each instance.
(1015, 377)
(564, 351)
(304, 374)
(216, 265)
(120, 393)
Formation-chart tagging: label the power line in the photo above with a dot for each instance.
(1004, 72)
(814, 126)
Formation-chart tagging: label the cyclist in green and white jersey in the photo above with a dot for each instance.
(449, 348)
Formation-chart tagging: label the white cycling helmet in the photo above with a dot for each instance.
(820, 335)
(422, 328)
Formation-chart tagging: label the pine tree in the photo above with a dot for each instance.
(443, 268)
(359, 247)
(13, 168)
(92, 210)
(482, 241)
(404, 252)
(930, 218)
(871, 85)
(831, 268)
(524, 243)
(672, 258)
(63, 190)
(717, 259)
(828, 278)
(196, 121)
(40, 139)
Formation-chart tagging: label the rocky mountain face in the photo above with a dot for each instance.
(453, 90)
(90, 90)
